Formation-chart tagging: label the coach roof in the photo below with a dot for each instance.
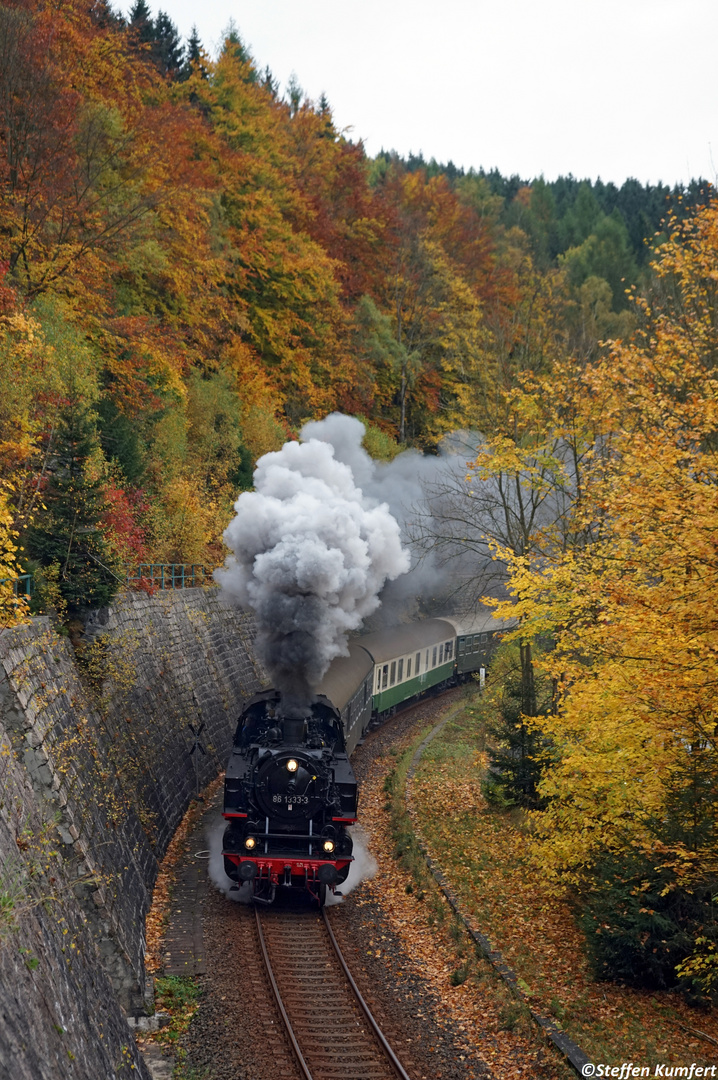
(345, 675)
(402, 640)
(480, 623)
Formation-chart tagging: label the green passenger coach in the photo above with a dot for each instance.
(390, 667)
(476, 640)
(408, 660)
(348, 685)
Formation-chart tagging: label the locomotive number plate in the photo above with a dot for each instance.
(291, 800)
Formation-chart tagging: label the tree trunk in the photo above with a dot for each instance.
(528, 689)
(402, 403)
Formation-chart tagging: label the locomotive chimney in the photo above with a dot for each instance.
(294, 729)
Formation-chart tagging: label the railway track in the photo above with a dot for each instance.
(330, 1027)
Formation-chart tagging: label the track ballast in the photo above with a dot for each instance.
(331, 1029)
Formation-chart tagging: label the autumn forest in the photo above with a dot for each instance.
(193, 265)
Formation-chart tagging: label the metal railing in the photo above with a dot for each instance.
(22, 585)
(169, 575)
(154, 575)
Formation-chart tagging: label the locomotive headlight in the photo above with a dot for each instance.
(329, 846)
(250, 842)
(292, 765)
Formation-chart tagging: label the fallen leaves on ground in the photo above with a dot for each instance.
(156, 921)
(482, 853)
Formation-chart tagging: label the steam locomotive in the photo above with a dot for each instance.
(290, 791)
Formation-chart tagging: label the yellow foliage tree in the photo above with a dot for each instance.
(632, 610)
(13, 608)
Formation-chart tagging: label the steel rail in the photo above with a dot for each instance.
(378, 1034)
(398, 1067)
(280, 1004)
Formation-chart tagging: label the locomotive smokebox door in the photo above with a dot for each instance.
(289, 786)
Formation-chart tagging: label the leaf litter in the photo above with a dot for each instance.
(482, 851)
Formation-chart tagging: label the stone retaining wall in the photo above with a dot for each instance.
(95, 775)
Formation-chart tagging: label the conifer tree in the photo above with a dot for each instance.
(196, 61)
(194, 46)
(270, 84)
(141, 21)
(192, 56)
(68, 535)
(519, 752)
(325, 112)
(104, 14)
(294, 94)
(167, 49)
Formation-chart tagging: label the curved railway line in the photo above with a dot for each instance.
(328, 1023)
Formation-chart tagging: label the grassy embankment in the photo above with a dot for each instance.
(483, 851)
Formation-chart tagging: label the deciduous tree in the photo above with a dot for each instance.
(633, 611)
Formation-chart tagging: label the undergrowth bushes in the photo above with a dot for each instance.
(639, 927)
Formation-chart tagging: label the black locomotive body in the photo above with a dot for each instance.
(289, 796)
(290, 792)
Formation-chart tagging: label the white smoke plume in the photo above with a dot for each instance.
(215, 869)
(312, 553)
(363, 868)
(427, 494)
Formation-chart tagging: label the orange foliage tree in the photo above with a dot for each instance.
(191, 225)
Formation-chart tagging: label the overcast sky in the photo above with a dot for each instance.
(615, 88)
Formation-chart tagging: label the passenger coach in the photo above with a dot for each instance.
(389, 667)
(408, 660)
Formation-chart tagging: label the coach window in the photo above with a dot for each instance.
(378, 679)
(384, 676)
(417, 667)
(448, 649)
(408, 668)
(476, 642)
(400, 673)
(433, 657)
(392, 678)
(462, 642)
(441, 653)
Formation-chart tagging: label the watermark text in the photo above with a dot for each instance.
(627, 1070)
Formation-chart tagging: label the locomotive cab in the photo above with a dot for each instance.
(289, 794)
